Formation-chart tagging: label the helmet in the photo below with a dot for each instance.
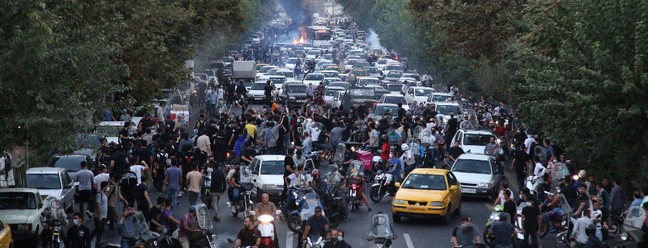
(404, 147)
(590, 230)
(315, 172)
(582, 174)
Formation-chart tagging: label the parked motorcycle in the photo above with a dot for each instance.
(382, 186)
(631, 234)
(244, 204)
(54, 218)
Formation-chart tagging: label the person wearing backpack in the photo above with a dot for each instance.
(127, 185)
(161, 162)
(466, 233)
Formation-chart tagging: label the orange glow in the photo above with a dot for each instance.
(294, 41)
(301, 40)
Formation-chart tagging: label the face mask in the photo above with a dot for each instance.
(298, 121)
(340, 238)
(75, 221)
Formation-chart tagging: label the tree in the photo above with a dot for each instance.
(581, 77)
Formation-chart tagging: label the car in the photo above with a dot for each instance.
(411, 82)
(439, 97)
(330, 73)
(394, 88)
(382, 63)
(392, 76)
(294, 95)
(291, 63)
(109, 130)
(418, 94)
(313, 78)
(395, 99)
(338, 99)
(21, 209)
(257, 92)
(266, 172)
(478, 175)
(382, 109)
(427, 193)
(368, 82)
(6, 240)
(54, 182)
(473, 141)
(312, 54)
(356, 96)
(327, 81)
(285, 73)
(373, 72)
(330, 93)
(71, 163)
(348, 64)
(445, 109)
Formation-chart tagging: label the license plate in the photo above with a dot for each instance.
(414, 209)
(468, 191)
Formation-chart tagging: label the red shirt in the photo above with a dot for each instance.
(500, 131)
(384, 155)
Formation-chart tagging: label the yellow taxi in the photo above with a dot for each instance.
(427, 193)
(6, 240)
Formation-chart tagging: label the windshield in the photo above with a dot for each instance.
(71, 164)
(471, 166)
(360, 73)
(364, 93)
(258, 86)
(17, 200)
(291, 61)
(393, 68)
(423, 92)
(395, 100)
(272, 168)
(380, 110)
(425, 182)
(296, 89)
(330, 74)
(287, 74)
(441, 98)
(339, 84)
(266, 69)
(331, 92)
(314, 77)
(313, 52)
(88, 141)
(476, 139)
(382, 61)
(372, 70)
(365, 82)
(43, 181)
(394, 87)
(394, 74)
(447, 109)
(108, 131)
(278, 80)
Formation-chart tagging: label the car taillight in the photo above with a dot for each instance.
(266, 241)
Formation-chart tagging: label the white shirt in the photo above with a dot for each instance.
(203, 143)
(539, 171)
(408, 157)
(137, 169)
(579, 229)
(102, 177)
(220, 93)
(527, 144)
(314, 133)
(296, 181)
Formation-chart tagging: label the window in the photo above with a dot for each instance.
(273, 167)
(472, 166)
(255, 166)
(425, 182)
(452, 180)
(410, 91)
(67, 180)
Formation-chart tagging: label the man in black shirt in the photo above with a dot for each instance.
(155, 213)
(267, 90)
(118, 161)
(519, 163)
(248, 236)
(78, 235)
(290, 169)
(583, 201)
(455, 151)
(531, 220)
(569, 191)
(451, 128)
(248, 154)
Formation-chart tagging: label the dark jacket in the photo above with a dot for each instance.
(78, 237)
(218, 182)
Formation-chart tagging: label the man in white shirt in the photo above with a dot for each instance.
(203, 143)
(137, 169)
(103, 176)
(295, 179)
(580, 225)
(528, 142)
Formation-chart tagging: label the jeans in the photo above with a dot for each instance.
(98, 230)
(533, 236)
(173, 194)
(215, 198)
(236, 194)
(193, 197)
(85, 196)
(127, 242)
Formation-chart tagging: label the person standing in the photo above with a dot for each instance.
(100, 213)
(217, 188)
(85, 178)
(114, 195)
(580, 225)
(289, 169)
(504, 232)
(127, 227)
(103, 176)
(267, 91)
(519, 164)
(167, 218)
(173, 179)
(78, 236)
(194, 180)
(143, 199)
(138, 170)
(531, 221)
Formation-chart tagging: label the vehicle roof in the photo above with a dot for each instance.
(25, 190)
(478, 131)
(421, 87)
(447, 103)
(335, 88)
(111, 123)
(368, 78)
(329, 71)
(44, 170)
(394, 95)
(441, 94)
(474, 156)
(387, 105)
(430, 171)
(270, 157)
(74, 155)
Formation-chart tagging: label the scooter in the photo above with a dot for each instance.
(381, 233)
(306, 209)
(382, 186)
(354, 195)
(631, 234)
(205, 190)
(267, 230)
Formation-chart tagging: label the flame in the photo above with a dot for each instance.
(294, 41)
(301, 40)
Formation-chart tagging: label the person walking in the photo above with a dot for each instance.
(143, 199)
(194, 181)
(173, 180)
(100, 213)
(114, 195)
(217, 188)
(531, 221)
(78, 236)
(188, 227)
(85, 178)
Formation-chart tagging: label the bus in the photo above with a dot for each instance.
(319, 35)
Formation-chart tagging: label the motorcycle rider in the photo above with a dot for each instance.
(466, 233)
(188, 228)
(407, 158)
(503, 231)
(249, 235)
(233, 180)
(316, 225)
(318, 184)
(539, 171)
(493, 149)
(335, 240)
(359, 180)
(580, 226)
(395, 167)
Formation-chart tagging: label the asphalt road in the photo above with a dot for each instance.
(419, 233)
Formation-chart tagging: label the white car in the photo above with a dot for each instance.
(348, 64)
(285, 72)
(410, 81)
(439, 97)
(445, 109)
(291, 63)
(266, 172)
(312, 54)
(478, 175)
(394, 88)
(313, 78)
(383, 109)
(331, 73)
(21, 209)
(53, 181)
(330, 93)
(368, 82)
(418, 94)
(338, 99)
(395, 99)
(472, 141)
(257, 92)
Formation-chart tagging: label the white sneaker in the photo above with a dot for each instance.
(87, 212)
(229, 204)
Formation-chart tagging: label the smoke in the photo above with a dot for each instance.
(301, 11)
(374, 41)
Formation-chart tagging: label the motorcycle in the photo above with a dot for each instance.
(306, 209)
(244, 204)
(382, 186)
(354, 178)
(381, 231)
(267, 230)
(631, 234)
(334, 206)
(314, 242)
(54, 218)
(208, 239)
(205, 190)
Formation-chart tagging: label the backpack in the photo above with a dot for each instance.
(128, 181)
(540, 151)
(163, 160)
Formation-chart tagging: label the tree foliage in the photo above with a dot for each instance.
(581, 77)
(64, 60)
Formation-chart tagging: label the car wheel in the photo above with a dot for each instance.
(397, 218)
(446, 218)
(458, 210)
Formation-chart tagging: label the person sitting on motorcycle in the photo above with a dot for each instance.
(455, 151)
(316, 225)
(385, 148)
(294, 180)
(249, 235)
(355, 177)
(394, 167)
(500, 196)
(407, 157)
(493, 149)
(318, 184)
(189, 228)
(233, 180)
(349, 156)
(51, 214)
(336, 240)
(539, 171)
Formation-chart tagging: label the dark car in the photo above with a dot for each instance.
(294, 94)
(71, 163)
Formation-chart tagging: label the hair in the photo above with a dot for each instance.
(161, 200)
(536, 158)
(105, 183)
(144, 179)
(250, 218)
(168, 202)
(465, 218)
(84, 164)
(507, 193)
(505, 185)
(77, 214)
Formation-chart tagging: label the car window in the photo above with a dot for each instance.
(273, 167)
(66, 178)
(477, 139)
(425, 182)
(43, 181)
(472, 166)
(452, 179)
(255, 166)
(17, 200)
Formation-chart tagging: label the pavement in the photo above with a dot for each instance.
(419, 233)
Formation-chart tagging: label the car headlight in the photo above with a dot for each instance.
(24, 227)
(484, 185)
(436, 204)
(624, 236)
(269, 186)
(399, 202)
(494, 216)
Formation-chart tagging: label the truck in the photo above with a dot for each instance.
(21, 209)
(243, 70)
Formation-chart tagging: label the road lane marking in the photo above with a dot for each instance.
(408, 240)
(289, 239)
